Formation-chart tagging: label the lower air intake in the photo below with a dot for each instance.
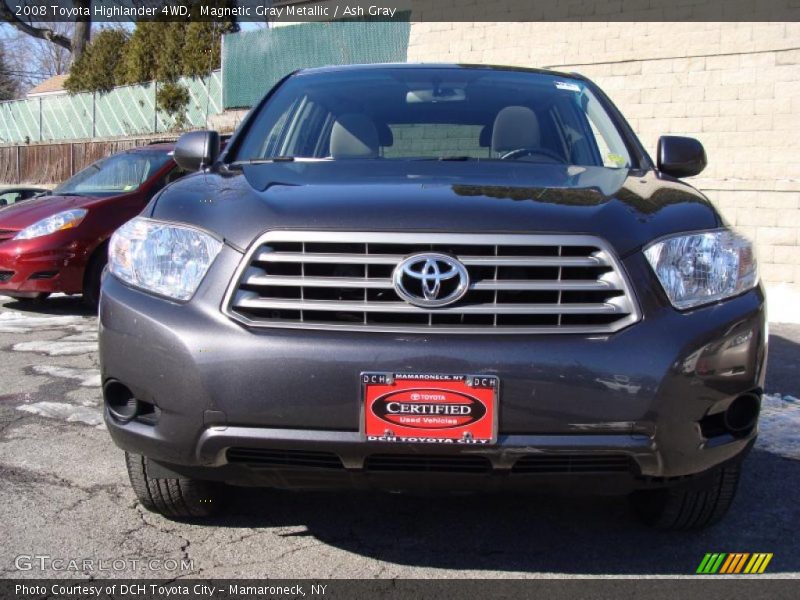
(268, 458)
(575, 463)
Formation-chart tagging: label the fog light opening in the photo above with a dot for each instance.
(120, 401)
(742, 413)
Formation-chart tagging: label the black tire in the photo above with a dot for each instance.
(175, 498)
(694, 505)
(94, 275)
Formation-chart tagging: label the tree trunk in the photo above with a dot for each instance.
(80, 37)
(82, 31)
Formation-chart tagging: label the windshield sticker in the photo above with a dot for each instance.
(617, 159)
(571, 87)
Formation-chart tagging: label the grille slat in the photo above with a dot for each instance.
(393, 259)
(325, 282)
(256, 280)
(518, 283)
(245, 301)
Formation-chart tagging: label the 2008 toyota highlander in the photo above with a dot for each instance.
(434, 276)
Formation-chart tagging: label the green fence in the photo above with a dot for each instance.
(124, 111)
(254, 61)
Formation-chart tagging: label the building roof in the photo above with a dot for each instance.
(49, 86)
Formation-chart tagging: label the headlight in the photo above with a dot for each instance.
(63, 220)
(701, 268)
(164, 258)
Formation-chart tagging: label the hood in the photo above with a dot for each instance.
(20, 215)
(627, 208)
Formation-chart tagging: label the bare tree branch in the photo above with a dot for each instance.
(43, 33)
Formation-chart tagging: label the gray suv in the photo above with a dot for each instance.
(434, 277)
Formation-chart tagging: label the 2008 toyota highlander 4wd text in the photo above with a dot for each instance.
(438, 277)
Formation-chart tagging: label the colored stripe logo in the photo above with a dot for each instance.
(734, 563)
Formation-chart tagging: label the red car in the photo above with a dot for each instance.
(58, 242)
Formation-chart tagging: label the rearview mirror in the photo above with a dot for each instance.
(197, 150)
(680, 156)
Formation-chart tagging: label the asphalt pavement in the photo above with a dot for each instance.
(64, 495)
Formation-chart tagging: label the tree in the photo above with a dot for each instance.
(8, 83)
(139, 61)
(75, 43)
(99, 67)
(36, 59)
(204, 47)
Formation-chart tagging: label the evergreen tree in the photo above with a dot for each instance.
(204, 47)
(98, 68)
(139, 62)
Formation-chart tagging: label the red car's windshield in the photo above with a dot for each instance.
(117, 174)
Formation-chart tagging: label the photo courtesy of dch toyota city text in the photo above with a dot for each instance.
(399, 299)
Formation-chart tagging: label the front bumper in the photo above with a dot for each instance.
(282, 407)
(30, 267)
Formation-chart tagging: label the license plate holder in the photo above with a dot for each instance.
(429, 408)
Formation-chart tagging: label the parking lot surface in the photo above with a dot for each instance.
(65, 496)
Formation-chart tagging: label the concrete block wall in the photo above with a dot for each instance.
(435, 140)
(734, 86)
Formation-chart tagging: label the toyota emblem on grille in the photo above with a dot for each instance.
(431, 280)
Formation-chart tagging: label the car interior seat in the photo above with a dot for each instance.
(354, 136)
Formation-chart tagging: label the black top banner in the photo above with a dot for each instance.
(293, 11)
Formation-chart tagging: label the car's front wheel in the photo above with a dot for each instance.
(94, 276)
(175, 498)
(692, 505)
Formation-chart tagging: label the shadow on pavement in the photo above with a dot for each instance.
(563, 535)
(783, 363)
(55, 305)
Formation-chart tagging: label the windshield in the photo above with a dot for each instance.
(436, 113)
(114, 175)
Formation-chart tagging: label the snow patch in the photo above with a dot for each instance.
(782, 302)
(779, 425)
(67, 412)
(17, 322)
(56, 347)
(90, 335)
(86, 377)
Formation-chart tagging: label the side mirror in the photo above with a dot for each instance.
(680, 156)
(197, 150)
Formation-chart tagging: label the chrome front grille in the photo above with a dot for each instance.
(518, 283)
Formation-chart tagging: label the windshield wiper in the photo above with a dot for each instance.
(454, 158)
(238, 164)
